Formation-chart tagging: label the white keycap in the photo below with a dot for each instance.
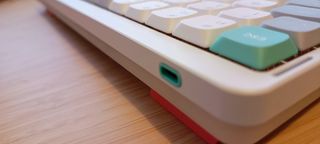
(246, 16)
(141, 11)
(121, 6)
(256, 4)
(166, 19)
(304, 33)
(224, 1)
(281, 2)
(203, 30)
(180, 2)
(209, 7)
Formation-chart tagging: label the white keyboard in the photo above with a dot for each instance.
(238, 68)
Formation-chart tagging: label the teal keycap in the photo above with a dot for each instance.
(256, 47)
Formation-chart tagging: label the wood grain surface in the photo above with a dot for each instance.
(56, 88)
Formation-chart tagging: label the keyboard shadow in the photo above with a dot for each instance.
(129, 87)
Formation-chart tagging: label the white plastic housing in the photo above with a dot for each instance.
(223, 90)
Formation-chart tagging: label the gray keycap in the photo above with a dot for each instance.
(306, 13)
(306, 3)
(305, 33)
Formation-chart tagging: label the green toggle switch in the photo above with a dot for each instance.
(254, 46)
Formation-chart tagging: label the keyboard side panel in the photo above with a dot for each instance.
(224, 89)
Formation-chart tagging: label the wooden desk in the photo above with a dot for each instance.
(57, 88)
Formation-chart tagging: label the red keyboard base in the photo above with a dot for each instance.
(184, 118)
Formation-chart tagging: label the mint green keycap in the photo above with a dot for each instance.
(256, 47)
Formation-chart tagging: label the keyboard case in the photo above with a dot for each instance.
(231, 102)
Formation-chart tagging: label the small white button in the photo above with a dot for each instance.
(203, 30)
(246, 16)
(224, 1)
(281, 2)
(256, 4)
(166, 19)
(121, 6)
(209, 7)
(180, 2)
(141, 11)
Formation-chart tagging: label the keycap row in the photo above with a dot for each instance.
(203, 6)
(191, 25)
(168, 16)
(207, 6)
(223, 26)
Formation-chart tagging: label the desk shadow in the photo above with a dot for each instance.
(169, 127)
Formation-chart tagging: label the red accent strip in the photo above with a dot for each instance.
(184, 118)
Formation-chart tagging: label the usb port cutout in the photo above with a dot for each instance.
(170, 75)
